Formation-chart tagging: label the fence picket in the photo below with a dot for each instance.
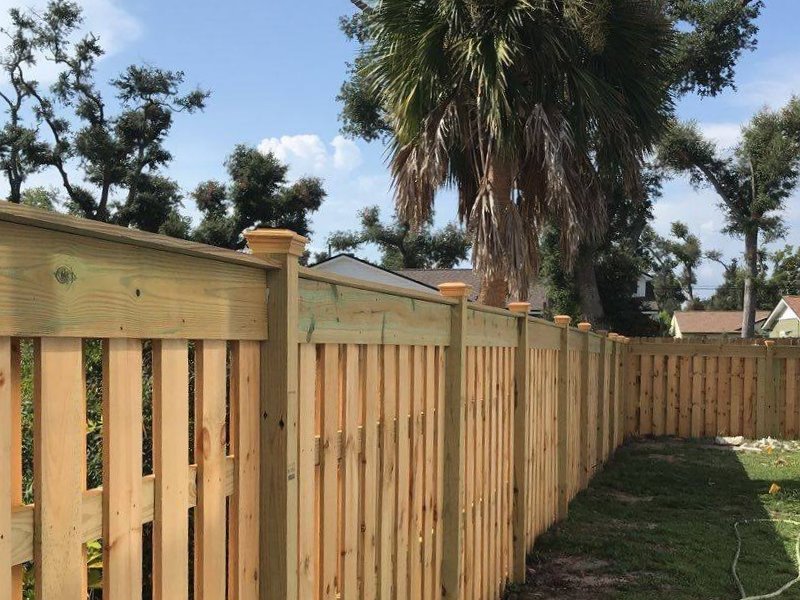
(210, 440)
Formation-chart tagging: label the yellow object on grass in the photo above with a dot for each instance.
(774, 489)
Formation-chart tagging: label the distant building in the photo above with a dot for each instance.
(711, 323)
(427, 280)
(784, 320)
(421, 280)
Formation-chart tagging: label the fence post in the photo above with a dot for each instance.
(454, 444)
(768, 416)
(562, 412)
(521, 441)
(279, 414)
(603, 411)
(583, 398)
(613, 404)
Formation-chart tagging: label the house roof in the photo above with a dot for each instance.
(433, 277)
(790, 302)
(712, 321)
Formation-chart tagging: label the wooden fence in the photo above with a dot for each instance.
(697, 389)
(349, 440)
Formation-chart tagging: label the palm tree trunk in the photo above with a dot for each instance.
(588, 292)
(751, 271)
(494, 291)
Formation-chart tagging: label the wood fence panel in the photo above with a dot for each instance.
(737, 395)
(370, 492)
(8, 408)
(724, 395)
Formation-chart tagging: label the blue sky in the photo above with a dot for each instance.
(274, 69)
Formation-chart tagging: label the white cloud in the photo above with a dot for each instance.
(346, 155)
(308, 153)
(726, 135)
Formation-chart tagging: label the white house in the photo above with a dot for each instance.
(784, 320)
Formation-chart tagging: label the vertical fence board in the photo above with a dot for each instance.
(244, 507)
(389, 425)
(308, 584)
(350, 474)
(685, 409)
(404, 372)
(710, 408)
(171, 469)
(210, 438)
(370, 488)
(429, 452)
(749, 387)
(791, 398)
(8, 408)
(329, 546)
(698, 400)
(59, 456)
(724, 395)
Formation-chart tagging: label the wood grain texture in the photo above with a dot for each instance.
(330, 313)
(122, 468)
(210, 440)
(8, 406)
(22, 518)
(245, 504)
(171, 469)
(59, 456)
(60, 284)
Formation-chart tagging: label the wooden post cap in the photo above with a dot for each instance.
(613, 336)
(455, 289)
(584, 326)
(562, 320)
(275, 241)
(519, 307)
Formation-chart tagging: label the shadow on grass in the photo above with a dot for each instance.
(658, 523)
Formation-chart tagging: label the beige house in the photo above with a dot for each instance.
(711, 323)
(784, 320)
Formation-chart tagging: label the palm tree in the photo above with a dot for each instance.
(531, 109)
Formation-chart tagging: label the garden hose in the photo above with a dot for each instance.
(776, 593)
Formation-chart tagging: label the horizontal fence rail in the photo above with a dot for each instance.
(176, 416)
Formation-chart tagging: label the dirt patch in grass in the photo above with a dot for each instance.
(571, 578)
(667, 458)
(626, 498)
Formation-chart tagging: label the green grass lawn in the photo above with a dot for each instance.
(657, 523)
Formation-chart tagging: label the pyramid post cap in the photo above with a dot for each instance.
(275, 241)
(519, 307)
(455, 289)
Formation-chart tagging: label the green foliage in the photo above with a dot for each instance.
(681, 250)
(475, 94)
(403, 247)
(41, 197)
(711, 36)
(258, 195)
(752, 184)
(119, 144)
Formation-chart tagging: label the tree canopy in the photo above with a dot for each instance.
(401, 246)
(257, 195)
(109, 150)
(752, 183)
